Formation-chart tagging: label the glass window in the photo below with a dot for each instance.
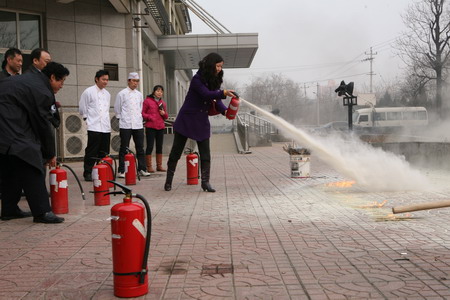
(394, 115)
(29, 31)
(409, 115)
(8, 33)
(380, 116)
(363, 118)
(422, 115)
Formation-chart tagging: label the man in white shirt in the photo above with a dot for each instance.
(128, 109)
(94, 108)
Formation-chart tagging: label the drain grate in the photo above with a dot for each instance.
(217, 269)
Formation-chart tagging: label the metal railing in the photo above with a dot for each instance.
(241, 128)
(258, 124)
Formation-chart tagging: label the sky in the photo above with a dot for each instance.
(314, 41)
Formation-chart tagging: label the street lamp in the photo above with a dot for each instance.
(349, 100)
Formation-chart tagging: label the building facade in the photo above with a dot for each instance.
(122, 36)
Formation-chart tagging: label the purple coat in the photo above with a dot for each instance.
(192, 119)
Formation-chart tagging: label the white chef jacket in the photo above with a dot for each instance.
(94, 107)
(128, 109)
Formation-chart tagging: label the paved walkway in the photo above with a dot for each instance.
(262, 235)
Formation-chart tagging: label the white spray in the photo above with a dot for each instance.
(372, 168)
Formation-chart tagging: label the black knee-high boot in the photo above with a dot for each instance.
(205, 166)
(171, 166)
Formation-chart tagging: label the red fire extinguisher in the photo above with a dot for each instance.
(130, 169)
(130, 244)
(100, 178)
(192, 168)
(233, 107)
(108, 160)
(59, 192)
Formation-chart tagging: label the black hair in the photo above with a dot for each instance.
(36, 53)
(207, 68)
(56, 69)
(10, 53)
(155, 88)
(101, 73)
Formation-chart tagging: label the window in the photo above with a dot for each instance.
(113, 70)
(380, 116)
(22, 31)
(363, 118)
(409, 115)
(394, 115)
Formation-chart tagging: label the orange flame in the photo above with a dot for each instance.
(375, 204)
(342, 184)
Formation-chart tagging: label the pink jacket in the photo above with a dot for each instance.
(151, 115)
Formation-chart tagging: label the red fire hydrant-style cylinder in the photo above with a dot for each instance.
(128, 246)
(192, 168)
(59, 192)
(233, 108)
(109, 162)
(130, 169)
(101, 185)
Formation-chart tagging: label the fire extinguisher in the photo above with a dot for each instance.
(131, 171)
(59, 190)
(130, 244)
(233, 107)
(100, 177)
(192, 168)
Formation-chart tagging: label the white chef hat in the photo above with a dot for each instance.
(133, 75)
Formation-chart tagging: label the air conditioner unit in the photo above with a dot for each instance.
(73, 135)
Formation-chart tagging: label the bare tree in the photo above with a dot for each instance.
(425, 48)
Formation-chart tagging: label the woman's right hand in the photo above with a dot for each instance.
(229, 93)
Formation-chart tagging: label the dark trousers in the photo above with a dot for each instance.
(97, 147)
(154, 135)
(179, 141)
(138, 138)
(17, 175)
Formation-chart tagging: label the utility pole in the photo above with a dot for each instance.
(318, 107)
(304, 88)
(370, 59)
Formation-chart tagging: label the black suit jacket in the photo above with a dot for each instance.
(25, 114)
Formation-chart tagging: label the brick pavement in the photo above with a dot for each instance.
(262, 235)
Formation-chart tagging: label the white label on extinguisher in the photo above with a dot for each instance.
(116, 236)
(127, 164)
(232, 107)
(63, 184)
(97, 182)
(138, 225)
(194, 161)
(94, 173)
(52, 179)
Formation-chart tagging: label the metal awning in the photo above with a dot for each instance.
(185, 51)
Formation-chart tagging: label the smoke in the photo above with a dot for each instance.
(372, 168)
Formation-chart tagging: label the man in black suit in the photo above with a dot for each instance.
(27, 142)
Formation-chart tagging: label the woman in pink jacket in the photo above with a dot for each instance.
(154, 112)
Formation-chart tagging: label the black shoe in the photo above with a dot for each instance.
(18, 215)
(48, 217)
(206, 186)
(88, 177)
(167, 186)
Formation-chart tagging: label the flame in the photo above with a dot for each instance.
(397, 217)
(375, 204)
(341, 184)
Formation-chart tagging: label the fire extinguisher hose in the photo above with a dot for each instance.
(148, 238)
(77, 179)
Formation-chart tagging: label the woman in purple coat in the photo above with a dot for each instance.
(192, 120)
